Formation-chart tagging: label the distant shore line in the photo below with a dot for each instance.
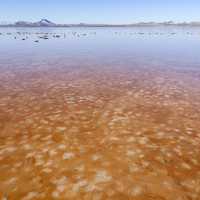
(48, 23)
(96, 26)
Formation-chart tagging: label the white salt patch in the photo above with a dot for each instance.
(189, 184)
(102, 176)
(61, 129)
(114, 138)
(19, 164)
(145, 164)
(47, 170)
(61, 181)
(78, 185)
(62, 146)
(194, 161)
(45, 150)
(10, 149)
(168, 185)
(131, 139)
(91, 187)
(52, 152)
(143, 140)
(27, 147)
(68, 155)
(11, 180)
(2, 151)
(49, 137)
(35, 137)
(136, 191)
(48, 142)
(96, 157)
(130, 153)
(80, 168)
(30, 154)
(141, 156)
(49, 163)
(39, 162)
(138, 133)
(61, 188)
(161, 134)
(55, 194)
(186, 166)
(30, 195)
(134, 168)
(178, 151)
(82, 149)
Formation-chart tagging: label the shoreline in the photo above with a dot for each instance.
(100, 26)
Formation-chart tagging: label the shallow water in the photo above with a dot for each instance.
(100, 113)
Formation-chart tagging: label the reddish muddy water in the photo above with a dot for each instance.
(100, 122)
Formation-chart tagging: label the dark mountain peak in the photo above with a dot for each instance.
(44, 22)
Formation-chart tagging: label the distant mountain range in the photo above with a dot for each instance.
(47, 23)
(42, 22)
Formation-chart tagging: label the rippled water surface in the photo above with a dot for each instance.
(100, 113)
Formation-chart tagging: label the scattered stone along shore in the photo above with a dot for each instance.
(99, 133)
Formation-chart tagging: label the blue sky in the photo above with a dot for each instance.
(101, 11)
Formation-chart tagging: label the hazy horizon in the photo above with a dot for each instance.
(106, 12)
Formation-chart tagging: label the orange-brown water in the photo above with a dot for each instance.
(99, 133)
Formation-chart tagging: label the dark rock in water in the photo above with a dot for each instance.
(57, 36)
(23, 39)
(36, 41)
